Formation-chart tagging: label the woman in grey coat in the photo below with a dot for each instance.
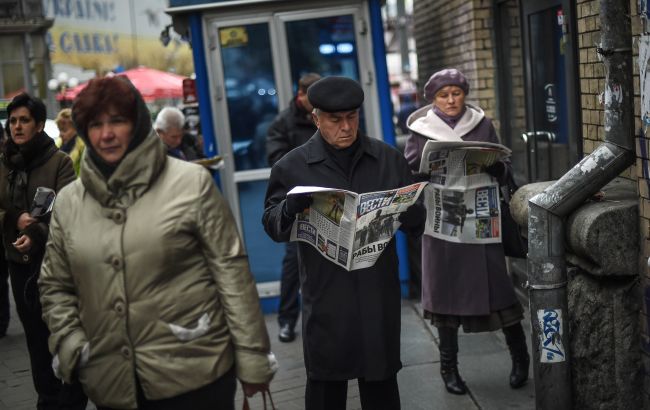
(464, 284)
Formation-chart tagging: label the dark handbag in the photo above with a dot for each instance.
(514, 244)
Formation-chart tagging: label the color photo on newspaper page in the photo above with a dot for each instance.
(352, 229)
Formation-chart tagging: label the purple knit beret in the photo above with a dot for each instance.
(443, 78)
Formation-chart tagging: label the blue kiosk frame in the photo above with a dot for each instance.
(233, 42)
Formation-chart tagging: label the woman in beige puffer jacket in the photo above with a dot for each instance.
(145, 285)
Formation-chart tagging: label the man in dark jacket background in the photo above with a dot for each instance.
(290, 129)
(351, 319)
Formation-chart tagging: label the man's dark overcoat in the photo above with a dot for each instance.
(290, 129)
(351, 320)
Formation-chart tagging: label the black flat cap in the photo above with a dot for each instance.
(335, 94)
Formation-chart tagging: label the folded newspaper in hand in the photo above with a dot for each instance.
(351, 229)
(213, 163)
(462, 200)
(43, 202)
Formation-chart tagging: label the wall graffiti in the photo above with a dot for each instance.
(551, 347)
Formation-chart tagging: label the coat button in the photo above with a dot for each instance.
(116, 262)
(126, 352)
(118, 217)
(119, 308)
(25, 258)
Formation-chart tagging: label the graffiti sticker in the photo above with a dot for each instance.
(551, 348)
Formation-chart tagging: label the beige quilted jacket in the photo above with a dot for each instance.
(149, 269)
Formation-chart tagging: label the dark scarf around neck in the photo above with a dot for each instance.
(451, 120)
(31, 154)
(344, 157)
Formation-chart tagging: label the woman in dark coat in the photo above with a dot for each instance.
(29, 160)
(464, 284)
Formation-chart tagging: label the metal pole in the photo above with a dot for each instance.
(548, 309)
(616, 51)
(402, 34)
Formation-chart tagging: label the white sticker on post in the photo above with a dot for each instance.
(551, 349)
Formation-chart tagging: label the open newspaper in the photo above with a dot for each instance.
(351, 229)
(462, 200)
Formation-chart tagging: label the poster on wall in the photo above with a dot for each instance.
(114, 34)
(644, 86)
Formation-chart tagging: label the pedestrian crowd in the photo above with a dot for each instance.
(134, 287)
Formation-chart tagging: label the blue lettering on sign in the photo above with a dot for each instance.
(77, 42)
(64, 42)
(88, 43)
(552, 336)
(81, 9)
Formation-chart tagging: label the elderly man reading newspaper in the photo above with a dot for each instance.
(351, 319)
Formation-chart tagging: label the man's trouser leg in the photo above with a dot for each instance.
(289, 287)
(379, 395)
(326, 394)
(4, 295)
(47, 386)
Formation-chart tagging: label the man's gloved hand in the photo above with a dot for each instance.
(421, 177)
(296, 203)
(414, 216)
(496, 170)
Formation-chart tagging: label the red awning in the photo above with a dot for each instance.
(152, 84)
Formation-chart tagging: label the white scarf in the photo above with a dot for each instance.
(427, 123)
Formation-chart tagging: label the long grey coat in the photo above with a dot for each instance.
(460, 279)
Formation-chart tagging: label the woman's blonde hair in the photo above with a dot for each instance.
(64, 114)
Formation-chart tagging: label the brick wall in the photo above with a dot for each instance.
(518, 113)
(458, 34)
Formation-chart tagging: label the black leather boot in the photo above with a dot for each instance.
(449, 360)
(516, 341)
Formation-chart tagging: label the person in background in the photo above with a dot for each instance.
(68, 140)
(4, 277)
(30, 160)
(290, 129)
(160, 311)
(170, 125)
(464, 284)
(351, 319)
(407, 105)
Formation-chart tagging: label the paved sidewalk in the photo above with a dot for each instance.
(484, 364)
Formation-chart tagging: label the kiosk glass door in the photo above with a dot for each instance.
(552, 105)
(257, 61)
(326, 46)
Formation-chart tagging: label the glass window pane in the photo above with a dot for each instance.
(250, 91)
(265, 256)
(12, 47)
(13, 80)
(549, 95)
(326, 46)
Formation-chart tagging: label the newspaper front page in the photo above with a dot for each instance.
(350, 229)
(462, 200)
